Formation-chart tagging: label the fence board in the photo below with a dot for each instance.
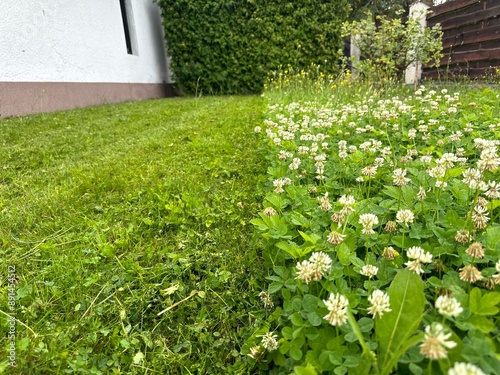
(450, 6)
(471, 37)
(458, 37)
(470, 18)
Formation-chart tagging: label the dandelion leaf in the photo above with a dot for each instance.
(395, 328)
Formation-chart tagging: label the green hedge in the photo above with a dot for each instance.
(229, 46)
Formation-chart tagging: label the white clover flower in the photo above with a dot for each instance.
(398, 177)
(295, 164)
(266, 299)
(437, 172)
(256, 352)
(337, 309)
(369, 270)
(335, 237)
(480, 217)
(456, 136)
(415, 266)
(448, 306)
(269, 211)
(426, 159)
(379, 303)
(283, 155)
(321, 262)
(279, 183)
(489, 160)
(269, 341)
(369, 170)
(368, 221)
(435, 342)
(386, 151)
(423, 128)
(314, 268)
(257, 129)
(461, 368)
(447, 160)
(417, 253)
(492, 189)
(441, 184)
(472, 177)
(421, 195)
(405, 217)
(324, 202)
(469, 128)
(347, 200)
(470, 274)
(305, 271)
(303, 150)
(419, 256)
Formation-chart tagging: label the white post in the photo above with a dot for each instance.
(355, 54)
(414, 71)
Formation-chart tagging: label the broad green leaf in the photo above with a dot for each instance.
(328, 360)
(281, 271)
(310, 302)
(475, 300)
(296, 218)
(395, 328)
(297, 319)
(295, 353)
(287, 333)
(313, 238)
(290, 247)
(314, 319)
(307, 370)
(482, 323)
(493, 237)
(278, 201)
(285, 347)
(274, 287)
(365, 324)
(344, 254)
(260, 224)
(490, 299)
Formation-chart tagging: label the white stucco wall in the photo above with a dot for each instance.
(79, 41)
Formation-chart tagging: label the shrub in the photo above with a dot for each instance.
(230, 46)
(389, 45)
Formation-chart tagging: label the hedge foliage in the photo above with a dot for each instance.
(229, 46)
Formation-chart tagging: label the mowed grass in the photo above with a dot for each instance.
(128, 227)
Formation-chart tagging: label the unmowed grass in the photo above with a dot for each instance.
(128, 229)
(321, 255)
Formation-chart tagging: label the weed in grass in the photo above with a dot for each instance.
(381, 231)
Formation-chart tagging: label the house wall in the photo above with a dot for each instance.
(60, 54)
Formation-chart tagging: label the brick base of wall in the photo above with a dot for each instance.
(25, 98)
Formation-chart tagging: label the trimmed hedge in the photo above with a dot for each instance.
(229, 46)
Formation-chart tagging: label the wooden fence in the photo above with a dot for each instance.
(471, 38)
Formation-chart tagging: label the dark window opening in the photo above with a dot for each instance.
(126, 27)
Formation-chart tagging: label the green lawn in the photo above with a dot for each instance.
(112, 215)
